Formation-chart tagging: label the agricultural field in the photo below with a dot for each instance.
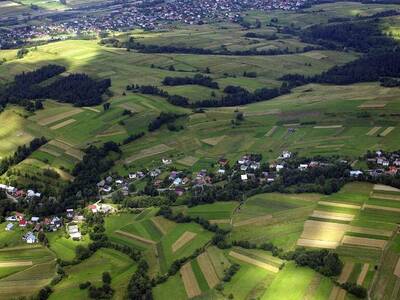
(119, 265)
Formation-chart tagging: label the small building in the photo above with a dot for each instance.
(303, 167)
(74, 233)
(22, 223)
(244, 177)
(35, 219)
(356, 173)
(279, 167)
(166, 161)
(70, 213)
(9, 226)
(12, 219)
(177, 181)
(30, 238)
(221, 171)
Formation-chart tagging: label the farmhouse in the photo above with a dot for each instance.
(74, 233)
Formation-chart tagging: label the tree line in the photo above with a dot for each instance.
(198, 79)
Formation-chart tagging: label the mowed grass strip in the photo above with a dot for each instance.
(385, 196)
(254, 262)
(218, 260)
(157, 224)
(135, 237)
(397, 268)
(363, 274)
(373, 130)
(207, 269)
(317, 244)
(387, 131)
(385, 188)
(188, 161)
(271, 131)
(336, 204)
(378, 207)
(62, 124)
(253, 220)
(373, 231)
(158, 149)
(213, 141)
(364, 242)
(183, 240)
(55, 118)
(189, 281)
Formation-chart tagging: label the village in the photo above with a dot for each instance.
(122, 17)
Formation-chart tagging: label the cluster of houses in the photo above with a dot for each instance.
(383, 163)
(121, 16)
(19, 193)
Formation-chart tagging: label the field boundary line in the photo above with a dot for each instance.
(135, 237)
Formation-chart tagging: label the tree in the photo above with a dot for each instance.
(106, 277)
(106, 106)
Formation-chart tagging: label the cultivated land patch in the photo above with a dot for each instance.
(208, 270)
(315, 55)
(271, 131)
(52, 119)
(254, 262)
(183, 240)
(336, 204)
(135, 237)
(159, 149)
(60, 144)
(328, 126)
(386, 196)
(213, 141)
(372, 231)
(189, 281)
(78, 154)
(372, 106)
(159, 226)
(253, 220)
(363, 274)
(50, 151)
(332, 216)
(385, 188)
(387, 131)
(317, 244)
(364, 242)
(323, 231)
(385, 208)
(373, 131)
(188, 161)
(62, 124)
(397, 268)
(15, 264)
(92, 109)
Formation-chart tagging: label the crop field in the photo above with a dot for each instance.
(119, 265)
(35, 266)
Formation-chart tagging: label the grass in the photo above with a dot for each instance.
(215, 211)
(297, 278)
(64, 248)
(120, 266)
(173, 286)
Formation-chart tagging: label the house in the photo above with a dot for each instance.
(223, 162)
(286, 154)
(101, 183)
(70, 213)
(303, 167)
(221, 171)
(93, 208)
(30, 194)
(12, 219)
(132, 176)
(9, 226)
(107, 189)
(255, 165)
(155, 172)
(177, 181)
(30, 238)
(19, 215)
(74, 233)
(179, 191)
(119, 181)
(22, 223)
(279, 167)
(244, 177)
(35, 219)
(166, 161)
(37, 227)
(356, 173)
(243, 168)
(396, 163)
(109, 179)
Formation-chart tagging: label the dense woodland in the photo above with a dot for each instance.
(77, 89)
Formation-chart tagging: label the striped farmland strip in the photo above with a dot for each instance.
(336, 204)
(254, 262)
(207, 269)
(189, 281)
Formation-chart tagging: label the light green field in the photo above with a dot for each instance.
(215, 211)
(64, 248)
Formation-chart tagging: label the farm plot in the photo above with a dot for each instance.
(214, 141)
(189, 281)
(62, 124)
(208, 270)
(385, 188)
(324, 231)
(341, 205)
(373, 131)
(47, 120)
(155, 150)
(188, 161)
(364, 242)
(332, 216)
(218, 211)
(254, 262)
(183, 240)
(271, 131)
(387, 131)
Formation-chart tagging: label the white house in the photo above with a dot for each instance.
(279, 167)
(9, 226)
(356, 173)
(244, 177)
(303, 167)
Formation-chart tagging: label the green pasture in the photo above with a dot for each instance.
(62, 247)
